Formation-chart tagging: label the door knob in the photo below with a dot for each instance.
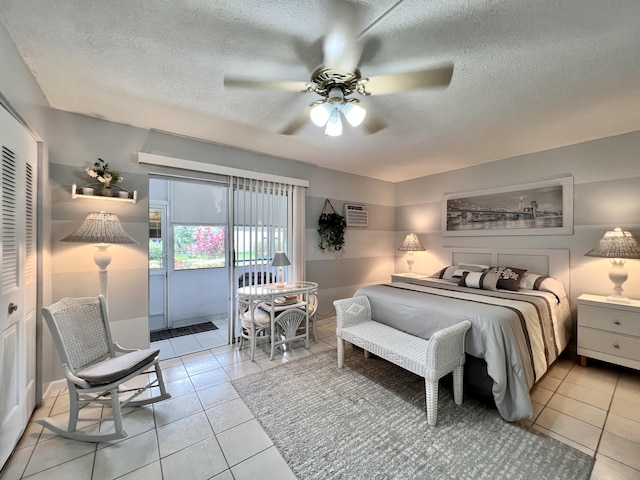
(12, 308)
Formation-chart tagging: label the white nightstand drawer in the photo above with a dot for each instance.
(609, 319)
(610, 343)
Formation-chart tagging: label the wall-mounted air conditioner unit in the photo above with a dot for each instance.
(356, 215)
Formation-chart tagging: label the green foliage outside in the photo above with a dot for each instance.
(198, 247)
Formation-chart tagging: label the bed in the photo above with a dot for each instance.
(516, 333)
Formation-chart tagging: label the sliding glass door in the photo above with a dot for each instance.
(262, 226)
(205, 236)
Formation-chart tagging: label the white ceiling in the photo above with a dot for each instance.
(529, 75)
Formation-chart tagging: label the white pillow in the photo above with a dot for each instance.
(454, 272)
(544, 283)
(483, 280)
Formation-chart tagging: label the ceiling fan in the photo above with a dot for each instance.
(339, 78)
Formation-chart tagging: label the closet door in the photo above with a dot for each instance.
(17, 280)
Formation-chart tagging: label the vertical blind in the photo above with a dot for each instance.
(263, 220)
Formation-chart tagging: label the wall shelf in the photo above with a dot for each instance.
(133, 196)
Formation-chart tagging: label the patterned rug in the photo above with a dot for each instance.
(368, 421)
(181, 331)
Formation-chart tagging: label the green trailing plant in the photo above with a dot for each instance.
(331, 227)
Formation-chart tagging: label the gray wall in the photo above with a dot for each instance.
(606, 176)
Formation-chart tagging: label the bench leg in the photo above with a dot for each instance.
(431, 390)
(340, 352)
(457, 384)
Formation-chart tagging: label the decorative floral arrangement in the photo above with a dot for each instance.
(103, 173)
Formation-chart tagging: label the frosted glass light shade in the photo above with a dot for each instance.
(334, 125)
(320, 114)
(354, 113)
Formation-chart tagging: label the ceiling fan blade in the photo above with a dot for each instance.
(297, 123)
(373, 123)
(401, 82)
(285, 86)
(341, 49)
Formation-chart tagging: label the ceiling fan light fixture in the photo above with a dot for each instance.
(334, 125)
(320, 114)
(354, 113)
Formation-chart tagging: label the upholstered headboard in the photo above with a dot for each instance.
(552, 262)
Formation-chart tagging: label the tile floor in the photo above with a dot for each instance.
(595, 409)
(187, 344)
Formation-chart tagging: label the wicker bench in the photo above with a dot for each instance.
(432, 359)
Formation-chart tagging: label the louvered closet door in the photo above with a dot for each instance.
(17, 280)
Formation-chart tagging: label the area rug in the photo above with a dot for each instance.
(368, 421)
(181, 331)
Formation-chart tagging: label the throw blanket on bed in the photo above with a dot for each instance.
(518, 334)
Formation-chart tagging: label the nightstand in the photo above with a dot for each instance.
(609, 331)
(403, 277)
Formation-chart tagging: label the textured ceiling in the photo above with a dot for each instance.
(528, 75)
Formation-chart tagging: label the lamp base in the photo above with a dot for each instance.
(618, 275)
(619, 299)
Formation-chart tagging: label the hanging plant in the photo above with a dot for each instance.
(331, 227)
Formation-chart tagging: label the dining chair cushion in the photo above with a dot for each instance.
(115, 368)
(259, 316)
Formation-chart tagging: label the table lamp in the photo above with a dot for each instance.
(103, 229)
(411, 244)
(280, 260)
(617, 245)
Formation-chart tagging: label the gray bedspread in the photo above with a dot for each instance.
(518, 335)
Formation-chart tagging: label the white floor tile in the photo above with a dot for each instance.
(213, 342)
(569, 427)
(209, 378)
(78, 469)
(216, 395)
(620, 449)
(202, 364)
(623, 427)
(608, 469)
(139, 421)
(174, 373)
(153, 471)
(183, 433)
(15, 467)
(226, 475)
(586, 395)
(243, 441)
(182, 386)
(55, 451)
(241, 369)
(197, 462)
(537, 428)
(625, 409)
(126, 456)
(228, 415)
(582, 411)
(266, 464)
(176, 408)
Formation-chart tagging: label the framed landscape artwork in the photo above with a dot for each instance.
(538, 208)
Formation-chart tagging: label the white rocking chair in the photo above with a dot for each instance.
(96, 368)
